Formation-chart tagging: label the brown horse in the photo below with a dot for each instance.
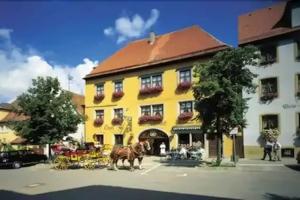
(130, 153)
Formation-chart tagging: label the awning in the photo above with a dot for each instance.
(186, 129)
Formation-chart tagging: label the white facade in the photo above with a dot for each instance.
(286, 105)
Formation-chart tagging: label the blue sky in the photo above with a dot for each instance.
(63, 35)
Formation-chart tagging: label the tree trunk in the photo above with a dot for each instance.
(219, 142)
(49, 152)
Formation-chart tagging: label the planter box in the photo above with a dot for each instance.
(184, 85)
(98, 122)
(151, 90)
(118, 94)
(146, 119)
(117, 121)
(185, 116)
(99, 97)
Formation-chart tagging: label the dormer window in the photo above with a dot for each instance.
(268, 54)
(295, 15)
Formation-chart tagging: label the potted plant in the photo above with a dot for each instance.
(185, 116)
(117, 121)
(185, 85)
(118, 94)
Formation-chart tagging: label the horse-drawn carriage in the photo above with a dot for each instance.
(87, 158)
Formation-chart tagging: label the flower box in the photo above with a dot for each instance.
(118, 94)
(148, 118)
(98, 122)
(151, 90)
(184, 85)
(185, 116)
(99, 97)
(268, 96)
(117, 121)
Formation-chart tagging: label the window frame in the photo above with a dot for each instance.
(180, 71)
(265, 48)
(120, 89)
(261, 94)
(184, 102)
(99, 116)
(266, 114)
(119, 135)
(116, 115)
(149, 82)
(151, 113)
(99, 85)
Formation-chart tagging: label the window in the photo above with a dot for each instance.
(118, 113)
(183, 139)
(118, 86)
(99, 89)
(269, 88)
(157, 110)
(297, 51)
(270, 122)
(152, 110)
(185, 76)
(145, 110)
(151, 81)
(99, 114)
(186, 106)
(295, 15)
(118, 139)
(100, 139)
(268, 55)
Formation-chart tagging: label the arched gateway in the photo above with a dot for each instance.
(155, 138)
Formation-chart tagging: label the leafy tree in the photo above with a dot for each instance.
(50, 112)
(218, 91)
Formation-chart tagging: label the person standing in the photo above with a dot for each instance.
(268, 150)
(162, 149)
(276, 150)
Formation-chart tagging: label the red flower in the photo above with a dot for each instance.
(148, 118)
(184, 85)
(117, 121)
(185, 116)
(98, 122)
(99, 97)
(151, 90)
(118, 94)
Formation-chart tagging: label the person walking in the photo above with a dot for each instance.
(276, 151)
(268, 150)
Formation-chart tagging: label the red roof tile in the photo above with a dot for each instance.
(167, 47)
(262, 23)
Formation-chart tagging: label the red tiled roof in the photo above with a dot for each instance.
(167, 47)
(12, 116)
(263, 23)
(78, 101)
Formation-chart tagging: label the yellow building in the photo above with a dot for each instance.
(143, 91)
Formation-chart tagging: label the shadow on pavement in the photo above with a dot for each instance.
(104, 192)
(279, 197)
(294, 167)
(178, 163)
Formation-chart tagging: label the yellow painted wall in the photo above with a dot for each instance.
(131, 103)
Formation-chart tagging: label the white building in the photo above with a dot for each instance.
(276, 103)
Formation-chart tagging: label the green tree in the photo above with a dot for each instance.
(218, 91)
(50, 112)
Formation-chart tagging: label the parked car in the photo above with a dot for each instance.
(17, 159)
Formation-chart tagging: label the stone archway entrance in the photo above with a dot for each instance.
(155, 138)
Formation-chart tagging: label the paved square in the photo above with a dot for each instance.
(158, 180)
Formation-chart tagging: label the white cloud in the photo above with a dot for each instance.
(5, 33)
(18, 68)
(126, 28)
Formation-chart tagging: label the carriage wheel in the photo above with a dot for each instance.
(61, 163)
(89, 164)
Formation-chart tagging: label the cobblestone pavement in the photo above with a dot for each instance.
(159, 179)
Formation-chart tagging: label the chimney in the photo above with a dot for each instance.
(151, 38)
